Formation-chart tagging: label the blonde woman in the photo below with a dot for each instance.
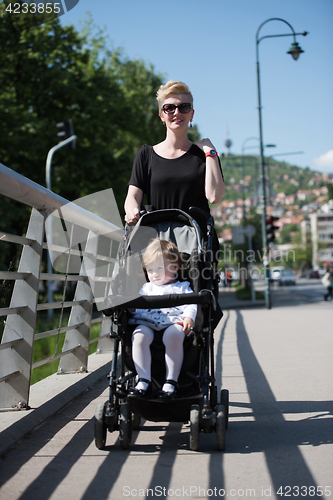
(175, 173)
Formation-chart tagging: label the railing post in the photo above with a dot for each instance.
(14, 391)
(77, 360)
(105, 343)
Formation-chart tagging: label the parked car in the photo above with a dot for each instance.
(288, 277)
(313, 273)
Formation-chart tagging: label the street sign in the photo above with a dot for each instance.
(238, 235)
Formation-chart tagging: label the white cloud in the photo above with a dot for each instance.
(325, 161)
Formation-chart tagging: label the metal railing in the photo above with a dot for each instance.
(17, 343)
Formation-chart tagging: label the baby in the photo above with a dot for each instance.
(161, 260)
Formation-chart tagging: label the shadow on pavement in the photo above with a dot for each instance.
(270, 433)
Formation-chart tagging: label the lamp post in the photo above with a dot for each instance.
(243, 168)
(61, 144)
(243, 165)
(295, 51)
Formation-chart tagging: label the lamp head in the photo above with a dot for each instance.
(295, 50)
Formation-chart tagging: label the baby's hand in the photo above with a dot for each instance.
(187, 324)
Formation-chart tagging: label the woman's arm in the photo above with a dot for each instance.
(214, 184)
(133, 205)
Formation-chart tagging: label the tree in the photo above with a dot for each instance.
(287, 233)
(239, 256)
(329, 186)
(50, 73)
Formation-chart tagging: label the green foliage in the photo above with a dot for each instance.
(329, 186)
(49, 346)
(286, 234)
(239, 254)
(194, 134)
(300, 255)
(50, 73)
(244, 293)
(279, 174)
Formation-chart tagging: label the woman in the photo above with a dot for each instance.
(175, 173)
(327, 281)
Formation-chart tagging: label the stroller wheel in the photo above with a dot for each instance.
(125, 426)
(194, 427)
(100, 426)
(225, 403)
(220, 427)
(136, 421)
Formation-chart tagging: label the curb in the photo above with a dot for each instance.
(228, 300)
(14, 425)
(241, 304)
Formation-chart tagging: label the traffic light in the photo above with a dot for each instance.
(271, 228)
(66, 132)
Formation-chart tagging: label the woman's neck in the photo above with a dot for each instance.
(174, 145)
(177, 141)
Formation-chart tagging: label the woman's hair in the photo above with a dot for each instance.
(161, 248)
(172, 88)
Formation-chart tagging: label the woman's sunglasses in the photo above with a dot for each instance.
(184, 107)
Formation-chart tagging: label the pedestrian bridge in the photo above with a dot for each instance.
(86, 247)
(276, 364)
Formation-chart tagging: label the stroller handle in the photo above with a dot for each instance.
(204, 297)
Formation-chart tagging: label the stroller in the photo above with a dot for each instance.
(196, 400)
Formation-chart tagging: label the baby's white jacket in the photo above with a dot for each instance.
(159, 319)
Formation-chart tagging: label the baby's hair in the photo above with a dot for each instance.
(172, 88)
(161, 248)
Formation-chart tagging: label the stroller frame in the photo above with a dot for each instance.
(202, 407)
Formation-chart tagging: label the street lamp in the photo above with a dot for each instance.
(66, 142)
(295, 51)
(243, 166)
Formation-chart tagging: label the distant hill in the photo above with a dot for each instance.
(284, 177)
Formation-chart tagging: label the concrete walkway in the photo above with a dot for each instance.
(277, 365)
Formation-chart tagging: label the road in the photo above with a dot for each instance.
(277, 365)
(306, 290)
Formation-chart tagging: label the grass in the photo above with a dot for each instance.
(243, 293)
(47, 347)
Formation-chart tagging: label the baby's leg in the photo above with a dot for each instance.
(173, 338)
(141, 340)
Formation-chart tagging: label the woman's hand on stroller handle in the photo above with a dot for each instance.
(132, 216)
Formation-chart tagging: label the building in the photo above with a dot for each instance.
(322, 235)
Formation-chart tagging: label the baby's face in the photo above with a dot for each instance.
(162, 272)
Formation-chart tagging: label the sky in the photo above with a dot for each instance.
(211, 46)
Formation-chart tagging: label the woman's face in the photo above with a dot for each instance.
(176, 120)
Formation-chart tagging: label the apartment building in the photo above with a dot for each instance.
(322, 234)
